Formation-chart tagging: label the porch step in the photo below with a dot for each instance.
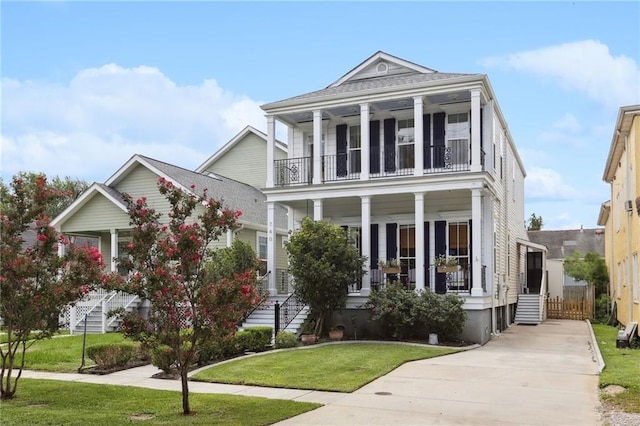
(528, 309)
(94, 320)
(265, 316)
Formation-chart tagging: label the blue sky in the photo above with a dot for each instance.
(87, 85)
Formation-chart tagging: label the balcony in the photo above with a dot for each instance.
(347, 166)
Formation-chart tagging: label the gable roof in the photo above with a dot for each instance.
(623, 126)
(409, 75)
(94, 189)
(562, 243)
(233, 142)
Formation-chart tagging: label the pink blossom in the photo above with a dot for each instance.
(42, 237)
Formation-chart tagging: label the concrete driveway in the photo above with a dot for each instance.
(529, 375)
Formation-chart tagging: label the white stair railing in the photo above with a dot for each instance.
(115, 301)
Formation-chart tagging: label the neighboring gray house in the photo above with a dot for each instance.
(562, 244)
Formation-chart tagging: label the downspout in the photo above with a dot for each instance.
(628, 196)
(505, 275)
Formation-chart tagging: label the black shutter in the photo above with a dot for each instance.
(390, 145)
(438, 139)
(426, 139)
(427, 276)
(441, 249)
(482, 160)
(374, 146)
(470, 255)
(374, 246)
(341, 150)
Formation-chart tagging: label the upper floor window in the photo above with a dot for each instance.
(355, 141)
(458, 137)
(406, 138)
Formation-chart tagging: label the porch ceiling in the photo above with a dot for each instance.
(391, 204)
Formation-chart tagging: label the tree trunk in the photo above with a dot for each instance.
(184, 370)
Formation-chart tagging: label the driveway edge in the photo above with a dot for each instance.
(596, 349)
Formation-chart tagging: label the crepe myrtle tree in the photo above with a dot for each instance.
(324, 261)
(36, 283)
(166, 264)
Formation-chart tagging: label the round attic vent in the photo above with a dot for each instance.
(382, 68)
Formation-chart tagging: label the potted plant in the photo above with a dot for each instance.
(390, 267)
(336, 333)
(446, 264)
(308, 336)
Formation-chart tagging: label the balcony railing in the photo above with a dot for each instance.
(293, 171)
(347, 166)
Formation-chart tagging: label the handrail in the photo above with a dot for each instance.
(124, 299)
(87, 309)
(262, 292)
(542, 298)
(289, 309)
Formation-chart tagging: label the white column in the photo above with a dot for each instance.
(114, 249)
(475, 131)
(365, 148)
(476, 216)
(317, 210)
(419, 243)
(271, 149)
(317, 147)
(229, 237)
(271, 246)
(418, 143)
(366, 243)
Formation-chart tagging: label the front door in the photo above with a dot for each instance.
(534, 272)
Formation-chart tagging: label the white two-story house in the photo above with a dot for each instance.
(416, 164)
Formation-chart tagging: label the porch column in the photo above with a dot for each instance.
(475, 131)
(364, 142)
(418, 140)
(419, 239)
(317, 210)
(366, 243)
(271, 149)
(229, 237)
(114, 250)
(476, 232)
(317, 147)
(271, 247)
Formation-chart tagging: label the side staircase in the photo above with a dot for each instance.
(264, 316)
(95, 310)
(528, 309)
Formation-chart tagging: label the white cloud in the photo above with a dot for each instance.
(586, 66)
(565, 131)
(547, 184)
(92, 125)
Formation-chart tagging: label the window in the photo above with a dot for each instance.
(459, 249)
(458, 137)
(407, 252)
(406, 137)
(261, 249)
(354, 149)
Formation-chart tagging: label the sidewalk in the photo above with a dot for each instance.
(529, 375)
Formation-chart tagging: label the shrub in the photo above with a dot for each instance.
(603, 309)
(286, 339)
(109, 355)
(441, 314)
(254, 339)
(209, 351)
(162, 357)
(393, 306)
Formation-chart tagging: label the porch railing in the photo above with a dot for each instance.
(286, 312)
(284, 281)
(293, 171)
(455, 157)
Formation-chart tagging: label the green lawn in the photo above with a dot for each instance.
(64, 354)
(48, 402)
(622, 368)
(341, 368)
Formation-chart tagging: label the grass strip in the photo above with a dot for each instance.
(339, 368)
(49, 402)
(622, 368)
(64, 354)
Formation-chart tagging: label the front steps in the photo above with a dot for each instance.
(528, 309)
(264, 316)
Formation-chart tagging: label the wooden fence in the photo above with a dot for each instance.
(569, 309)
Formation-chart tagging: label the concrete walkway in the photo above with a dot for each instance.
(529, 375)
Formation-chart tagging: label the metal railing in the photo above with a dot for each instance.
(293, 171)
(286, 312)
